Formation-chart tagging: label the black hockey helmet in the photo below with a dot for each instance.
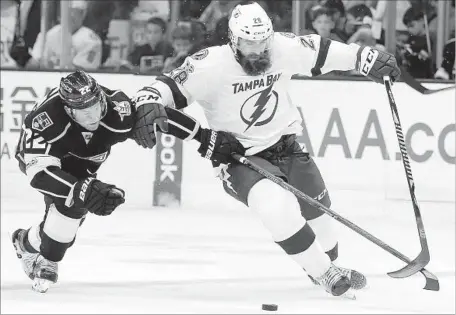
(79, 90)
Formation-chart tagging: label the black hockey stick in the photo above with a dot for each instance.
(432, 283)
(417, 86)
(423, 258)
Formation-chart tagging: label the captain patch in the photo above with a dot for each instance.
(123, 108)
(41, 122)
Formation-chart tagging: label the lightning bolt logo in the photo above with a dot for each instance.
(259, 106)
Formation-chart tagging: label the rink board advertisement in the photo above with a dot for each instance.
(347, 127)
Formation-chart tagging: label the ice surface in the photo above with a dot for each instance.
(220, 260)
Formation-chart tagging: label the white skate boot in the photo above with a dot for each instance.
(335, 282)
(27, 258)
(357, 279)
(43, 272)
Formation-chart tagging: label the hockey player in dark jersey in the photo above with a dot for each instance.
(63, 142)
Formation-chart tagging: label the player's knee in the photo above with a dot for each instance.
(325, 230)
(278, 209)
(61, 227)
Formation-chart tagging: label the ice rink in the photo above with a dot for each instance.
(220, 260)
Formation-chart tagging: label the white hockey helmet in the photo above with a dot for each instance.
(251, 23)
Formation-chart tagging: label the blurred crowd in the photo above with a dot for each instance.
(138, 35)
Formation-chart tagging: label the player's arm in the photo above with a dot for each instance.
(159, 105)
(330, 55)
(39, 159)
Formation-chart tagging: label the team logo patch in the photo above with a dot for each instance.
(200, 54)
(42, 122)
(308, 42)
(123, 108)
(260, 108)
(289, 35)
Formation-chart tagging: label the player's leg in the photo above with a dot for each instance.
(42, 246)
(304, 174)
(280, 212)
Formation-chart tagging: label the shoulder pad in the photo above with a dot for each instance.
(200, 55)
(48, 117)
(120, 110)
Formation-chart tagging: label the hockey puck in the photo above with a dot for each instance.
(269, 307)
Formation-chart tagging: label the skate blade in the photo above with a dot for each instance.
(41, 285)
(350, 295)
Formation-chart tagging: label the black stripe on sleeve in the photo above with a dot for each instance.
(179, 99)
(52, 186)
(180, 124)
(321, 58)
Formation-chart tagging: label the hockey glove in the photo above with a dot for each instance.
(97, 197)
(218, 146)
(376, 64)
(149, 113)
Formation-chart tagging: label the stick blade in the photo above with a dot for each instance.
(432, 283)
(413, 267)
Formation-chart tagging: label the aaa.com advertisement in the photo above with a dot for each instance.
(347, 127)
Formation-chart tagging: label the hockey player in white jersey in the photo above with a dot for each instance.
(242, 88)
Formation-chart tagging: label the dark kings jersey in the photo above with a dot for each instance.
(54, 151)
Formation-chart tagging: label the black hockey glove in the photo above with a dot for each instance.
(149, 113)
(218, 146)
(376, 64)
(97, 197)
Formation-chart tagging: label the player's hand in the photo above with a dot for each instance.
(376, 64)
(218, 146)
(97, 197)
(150, 114)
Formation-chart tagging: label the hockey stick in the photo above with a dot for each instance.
(432, 283)
(423, 258)
(414, 84)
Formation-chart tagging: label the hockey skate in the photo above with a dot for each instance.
(357, 279)
(334, 281)
(42, 271)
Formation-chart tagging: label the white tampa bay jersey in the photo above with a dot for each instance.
(85, 51)
(256, 109)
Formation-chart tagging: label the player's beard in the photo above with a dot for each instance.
(255, 64)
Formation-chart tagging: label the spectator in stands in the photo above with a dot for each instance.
(98, 18)
(182, 45)
(337, 10)
(447, 68)
(8, 23)
(193, 8)
(322, 22)
(215, 11)
(220, 34)
(357, 16)
(415, 55)
(86, 49)
(152, 55)
(155, 8)
(15, 49)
